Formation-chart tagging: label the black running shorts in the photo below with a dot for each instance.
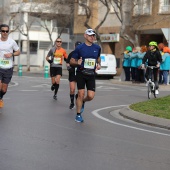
(6, 75)
(55, 71)
(88, 80)
(71, 76)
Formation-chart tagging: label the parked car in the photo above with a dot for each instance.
(108, 65)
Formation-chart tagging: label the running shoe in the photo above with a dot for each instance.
(52, 87)
(82, 108)
(55, 97)
(71, 106)
(79, 118)
(1, 103)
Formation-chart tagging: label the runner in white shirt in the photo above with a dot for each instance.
(8, 49)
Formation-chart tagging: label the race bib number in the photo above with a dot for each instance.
(89, 63)
(5, 63)
(57, 60)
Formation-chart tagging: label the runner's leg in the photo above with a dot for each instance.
(57, 80)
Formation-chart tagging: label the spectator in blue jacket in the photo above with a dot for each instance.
(141, 72)
(126, 62)
(134, 61)
(165, 65)
(160, 47)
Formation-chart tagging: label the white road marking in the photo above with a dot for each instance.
(42, 85)
(12, 85)
(127, 90)
(28, 90)
(107, 88)
(95, 113)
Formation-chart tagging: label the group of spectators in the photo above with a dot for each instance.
(132, 61)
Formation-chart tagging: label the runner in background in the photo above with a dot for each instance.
(55, 57)
(8, 49)
(72, 77)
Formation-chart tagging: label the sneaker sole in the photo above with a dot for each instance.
(79, 121)
(71, 108)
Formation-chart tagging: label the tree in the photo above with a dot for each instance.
(38, 11)
(130, 13)
(89, 14)
(61, 13)
(124, 12)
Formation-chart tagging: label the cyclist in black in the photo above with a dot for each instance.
(153, 58)
(72, 77)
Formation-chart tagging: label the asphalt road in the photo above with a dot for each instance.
(39, 133)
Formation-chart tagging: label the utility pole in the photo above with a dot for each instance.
(19, 33)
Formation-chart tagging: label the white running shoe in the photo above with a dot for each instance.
(156, 92)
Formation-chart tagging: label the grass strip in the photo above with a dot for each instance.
(159, 107)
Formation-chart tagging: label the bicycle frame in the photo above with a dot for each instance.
(151, 84)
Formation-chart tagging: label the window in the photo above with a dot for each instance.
(164, 6)
(82, 9)
(33, 47)
(44, 45)
(142, 7)
(166, 2)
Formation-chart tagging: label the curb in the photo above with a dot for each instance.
(145, 119)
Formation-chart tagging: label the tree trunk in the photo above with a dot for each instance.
(28, 53)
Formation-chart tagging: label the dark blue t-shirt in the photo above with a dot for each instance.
(89, 55)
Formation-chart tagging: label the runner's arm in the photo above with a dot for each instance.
(75, 62)
(65, 56)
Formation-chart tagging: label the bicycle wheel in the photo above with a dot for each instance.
(155, 95)
(149, 91)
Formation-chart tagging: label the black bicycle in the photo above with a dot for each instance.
(150, 82)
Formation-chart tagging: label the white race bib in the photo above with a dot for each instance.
(57, 61)
(4, 63)
(89, 63)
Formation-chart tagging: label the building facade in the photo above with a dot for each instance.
(36, 24)
(151, 17)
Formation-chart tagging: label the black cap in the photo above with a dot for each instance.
(77, 43)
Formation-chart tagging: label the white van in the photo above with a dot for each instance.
(108, 65)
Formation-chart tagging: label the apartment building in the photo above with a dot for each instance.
(152, 17)
(40, 23)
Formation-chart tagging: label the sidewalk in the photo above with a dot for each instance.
(140, 117)
(117, 80)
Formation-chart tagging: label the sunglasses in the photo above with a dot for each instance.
(5, 31)
(59, 41)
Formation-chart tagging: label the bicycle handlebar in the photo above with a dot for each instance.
(152, 67)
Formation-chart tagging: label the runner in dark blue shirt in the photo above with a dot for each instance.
(87, 59)
(72, 77)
